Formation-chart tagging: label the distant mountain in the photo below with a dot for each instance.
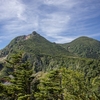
(84, 47)
(33, 44)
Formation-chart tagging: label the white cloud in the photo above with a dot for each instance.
(11, 9)
(71, 17)
(94, 35)
(61, 3)
(54, 24)
(63, 39)
(60, 20)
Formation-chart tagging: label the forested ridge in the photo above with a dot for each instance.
(49, 71)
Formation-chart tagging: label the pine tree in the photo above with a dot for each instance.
(20, 88)
(62, 84)
(2, 90)
(50, 87)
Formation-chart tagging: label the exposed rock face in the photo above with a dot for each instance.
(31, 35)
(27, 37)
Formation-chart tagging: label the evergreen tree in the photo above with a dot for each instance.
(2, 90)
(62, 84)
(20, 88)
(50, 87)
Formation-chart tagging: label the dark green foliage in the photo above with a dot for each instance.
(2, 89)
(80, 81)
(84, 47)
(63, 76)
(50, 87)
(33, 44)
(20, 82)
(63, 84)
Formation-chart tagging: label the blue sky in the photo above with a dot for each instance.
(59, 21)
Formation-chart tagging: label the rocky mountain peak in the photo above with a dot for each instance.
(34, 33)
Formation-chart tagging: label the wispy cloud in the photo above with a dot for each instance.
(11, 9)
(57, 20)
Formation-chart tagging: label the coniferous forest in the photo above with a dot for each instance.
(32, 68)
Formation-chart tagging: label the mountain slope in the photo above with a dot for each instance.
(84, 47)
(49, 56)
(33, 44)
